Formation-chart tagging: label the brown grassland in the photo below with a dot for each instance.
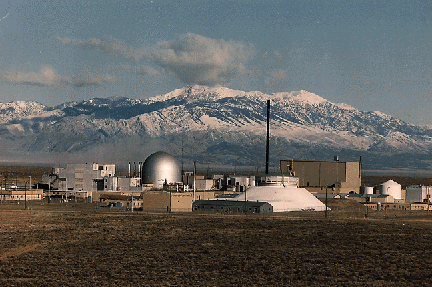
(75, 244)
(78, 244)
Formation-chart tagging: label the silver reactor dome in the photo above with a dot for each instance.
(160, 167)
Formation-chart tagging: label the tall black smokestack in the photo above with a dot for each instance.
(268, 137)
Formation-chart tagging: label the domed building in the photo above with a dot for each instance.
(392, 188)
(160, 168)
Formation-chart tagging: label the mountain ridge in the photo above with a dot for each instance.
(303, 124)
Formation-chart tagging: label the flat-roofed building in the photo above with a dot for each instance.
(381, 198)
(231, 206)
(418, 193)
(337, 176)
(21, 194)
(86, 176)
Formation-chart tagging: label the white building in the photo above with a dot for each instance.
(392, 188)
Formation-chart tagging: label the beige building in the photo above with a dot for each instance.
(398, 206)
(162, 201)
(420, 206)
(21, 194)
(316, 176)
(123, 203)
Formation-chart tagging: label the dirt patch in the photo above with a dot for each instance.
(18, 251)
(80, 247)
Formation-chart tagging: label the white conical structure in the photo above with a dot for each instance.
(283, 198)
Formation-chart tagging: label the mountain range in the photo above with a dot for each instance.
(214, 126)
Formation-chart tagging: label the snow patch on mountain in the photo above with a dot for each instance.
(345, 106)
(212, 122)
(301, 97)
(20, 109)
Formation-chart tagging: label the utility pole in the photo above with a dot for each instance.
(326, 204)
(1, 192)
(194, 182)
(25, 195)
(66, 191)
(49, 188)
(245, 208)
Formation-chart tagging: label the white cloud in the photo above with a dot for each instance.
(195, 59)
(192, 58)
(47, 76)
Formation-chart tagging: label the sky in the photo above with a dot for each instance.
(372, 55)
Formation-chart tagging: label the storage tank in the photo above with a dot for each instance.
(392, 188)
(368, 190)
(159, 168)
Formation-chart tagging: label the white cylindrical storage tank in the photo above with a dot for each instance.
(159, 168)
(392, 188)
(368, 190)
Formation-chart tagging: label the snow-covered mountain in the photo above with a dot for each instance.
(213, 125)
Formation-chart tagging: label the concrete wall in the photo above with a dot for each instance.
(181, 202)
(156, 201)
(353, 177)
(204, 195)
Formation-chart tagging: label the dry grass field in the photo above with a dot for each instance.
(79, 245)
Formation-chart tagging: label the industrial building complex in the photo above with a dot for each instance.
(159, 184)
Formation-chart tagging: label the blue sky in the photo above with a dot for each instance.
(373, 55)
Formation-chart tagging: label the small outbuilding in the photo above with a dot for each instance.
(231, 206)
